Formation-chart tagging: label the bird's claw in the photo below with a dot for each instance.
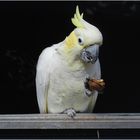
(70, 112)
(87, 91)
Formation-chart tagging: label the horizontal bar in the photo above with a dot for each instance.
(62, 121)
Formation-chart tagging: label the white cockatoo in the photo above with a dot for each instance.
(64, 70)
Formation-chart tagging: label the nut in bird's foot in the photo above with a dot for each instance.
(98, 85)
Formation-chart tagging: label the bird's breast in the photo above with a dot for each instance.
(66, 88)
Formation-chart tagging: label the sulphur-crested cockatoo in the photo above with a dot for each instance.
(63, 71)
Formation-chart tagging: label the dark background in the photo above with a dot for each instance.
(26, 28)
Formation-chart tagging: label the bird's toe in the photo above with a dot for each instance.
(70, 112)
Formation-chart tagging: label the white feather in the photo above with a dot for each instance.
(67, 86)
(42, 77)
(94, 71)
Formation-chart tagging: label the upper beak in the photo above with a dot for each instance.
(94, 51)
(90, 54)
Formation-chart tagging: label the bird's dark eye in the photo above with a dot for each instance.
(80, 41)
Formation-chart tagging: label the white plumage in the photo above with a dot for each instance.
(60, 88)
(61, 74)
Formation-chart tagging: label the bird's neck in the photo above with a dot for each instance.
(71, 57)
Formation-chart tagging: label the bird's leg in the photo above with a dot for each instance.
(87, 91)
(70, 112)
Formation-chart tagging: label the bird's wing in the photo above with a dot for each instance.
(94, 71)
(43, 78)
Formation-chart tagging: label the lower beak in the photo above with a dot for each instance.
(90, 54)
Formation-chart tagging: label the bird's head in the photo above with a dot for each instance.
(85, 36)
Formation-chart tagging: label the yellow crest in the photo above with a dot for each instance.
(77, 19)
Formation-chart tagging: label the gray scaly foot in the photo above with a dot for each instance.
(70, 112)
(87, 91)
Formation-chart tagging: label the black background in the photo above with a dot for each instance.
(26, 28)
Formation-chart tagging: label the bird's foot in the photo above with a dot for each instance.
(70, 112)
(92, 84)
(87, 91)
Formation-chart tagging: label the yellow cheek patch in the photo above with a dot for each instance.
(71, 40)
